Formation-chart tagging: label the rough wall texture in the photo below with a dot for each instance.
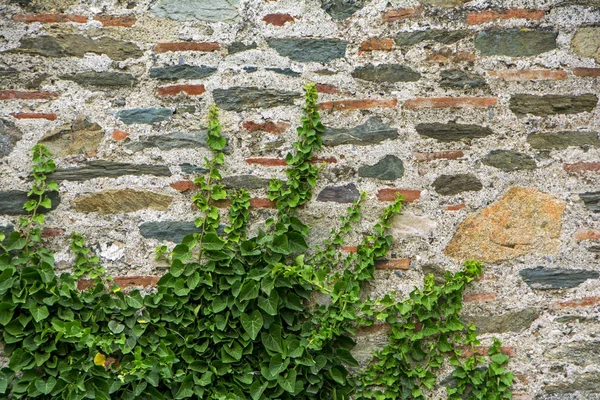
(482, 113)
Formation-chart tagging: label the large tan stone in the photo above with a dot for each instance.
(121, 201)
(78, 137)
(586, 42)
(524, 221)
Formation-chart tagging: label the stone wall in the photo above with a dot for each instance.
(483, 114)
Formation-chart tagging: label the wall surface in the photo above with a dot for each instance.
(482, 113)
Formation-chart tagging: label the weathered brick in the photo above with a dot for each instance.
(123, 281)
(449, 102)
(401, 13)
(267, 126)
(119, 134)
(456, 207)
(479, 297)
(376, 44)
(485, 351)
(513, 13)
(52, 232)
(184, 186)
(583, 302)
(190, 90)
(530, 74)
(23, 95)
(389, 194)
(278, 19)
(449, 55)
(586, 72)
(26, 115)
(438, 155)
(344, 105)
(50, 18)
(350, 249)
(583, 167)
(327, 88)
(393, 264)
(280, 162)
(117, 20)
(587, 234)
(186, 46)
(260, 202)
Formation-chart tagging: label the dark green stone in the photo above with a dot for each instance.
(388, 73)
(431, 35)
(144, 115)
(173, 231)
(11, 202)
(193, 169)
(310, 50)
(515, 42)
(569, 319)
(103, 79)
(108, 169)
(586, 382)
(341, 9)
(510, 321)
(556, 278)
(177, 140)
(8, 72)
(388, 168)
(9, 136)
(78, 46)
(448, 185)
(285, 71)
(551, 104)
(508, 161)
(594, 249)
(243, 98)
(452, 131)
(249, 182)
(250, 69)
(339, 194)
(182, 72)
(562, 140)
(373, 131)
(591, 200)
(461, 80)
(238, 47)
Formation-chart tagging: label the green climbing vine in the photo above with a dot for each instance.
(235, 316)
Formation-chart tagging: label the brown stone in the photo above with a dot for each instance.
(376, 44)
(278, 19)
(438, 155)
(524, 221)
(267, 126)
(399, 264)
(121, 201)
(587, 234)
(389, 194)
(119, 135)
(117, 20)
(50, 18)
(401, 13)
(449, 102)
(343, 105)
(78, 137)
(22, 115)
(190, 90)
(479, 297)
(186, 46)
(513, 13)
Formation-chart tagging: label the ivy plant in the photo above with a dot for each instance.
(234, 318)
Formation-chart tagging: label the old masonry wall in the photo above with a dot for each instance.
(482, 113)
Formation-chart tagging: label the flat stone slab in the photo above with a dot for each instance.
(197, 10)
(144, 115)
(339, 194)
(562, 140)
(10, 134)
(78, 137)
(172, 72)
(452, 132)
(515, 42)
(591, 200)
(172, 231)
(551, 104)
(121, 201)
(242, 98)
(389, 168)
(542, 278)
(373, 131)
(309, 50)
(108, 169)
(11, 202)
(508, 161)
(510, 321)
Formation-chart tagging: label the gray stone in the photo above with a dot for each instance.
(77, 46)
(177, 140)
(373, 131)
(250, 69)
(6, 230)
(452, 131)
(580, 319)
(238, 47)
(508, 161)
(309, 50)
(591, 200)
(182, 72)
(36, 81)
(551, 104)
(510, 321)
(449, 185)
(144, 115)
(197, 10)
(11, 202)
(445, 3)
(594, 249)
(9, 136)
(193, 169)
(586, 382)
(108, 169)
(461, 79)
(243, 98)
(562, 140)
(578, 353)
(339, 194)
(80, 136)
(249, 182)
(172, 231)
(389, 73)
(556, 278)
(8, 72)
(430, 35)
(586, 42)
(341, 9)
(388, 168)
(515, 42)
(121, 201)
(285, 71)
(101, 79)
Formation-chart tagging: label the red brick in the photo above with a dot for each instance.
(583, 167)
(448, 55)
(328, 89)
(438, 155)
(48, 116)
(479, 297)
(123, 282)
(119, 135)
(50, 18)
(184, 186)
(190, 90)
(350, 249)
(278, 19)
(401, 13)
(389, 194)
(393, 264)
(259, 202)
(456, 207)
(268, 126)
(116, 20)
(514, 13)
(587, 234)
(586, 71)
(280, 162)
(52, 232)
(23, 95)
(449, 102)
(484, 351)
(530, 74)
(343, 105)
(583, 302)
(376, 44)
(186, 46)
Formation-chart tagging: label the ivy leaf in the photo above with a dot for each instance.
(280, 245)
(269, 304)
(272, 339)
(337, 375)
(252, 323)
(257, 389)
(4, 383)
(212, 242)
(6, 312)
(288, 383)
(45, 387)
(277, 364)
(116, 327)
(296, 241)
(39, 313)
(249, 291)
(346, 358)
